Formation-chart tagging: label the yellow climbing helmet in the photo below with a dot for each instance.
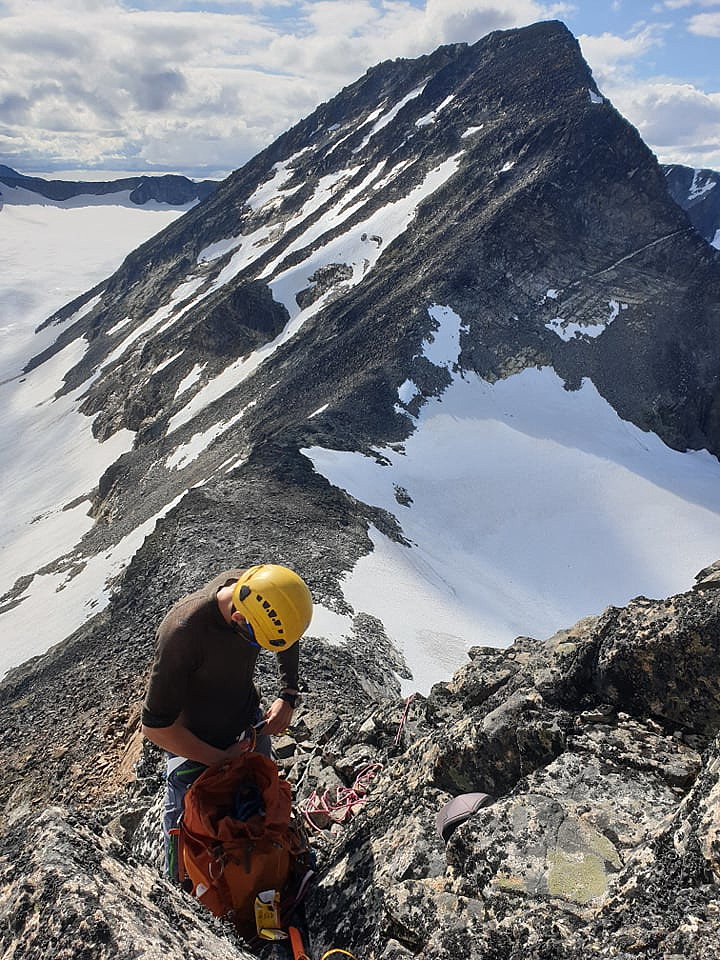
(276, 603)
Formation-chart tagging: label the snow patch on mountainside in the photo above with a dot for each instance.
(389, 116)
(58, 463)
(273, 189)
(70, 596)
(569, 330)
(158, 321)
(191, 450)
(326, 187)
(700, 185)
(433, 115)
(441, 348)
(191, 379)
(353, 248)
(520, 519)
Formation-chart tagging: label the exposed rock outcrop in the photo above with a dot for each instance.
(69, 891)
(598, 745)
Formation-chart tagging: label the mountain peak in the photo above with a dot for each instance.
(492, 182)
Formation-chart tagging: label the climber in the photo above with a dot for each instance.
(201, 700)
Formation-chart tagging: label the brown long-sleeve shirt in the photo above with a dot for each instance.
(203, 670)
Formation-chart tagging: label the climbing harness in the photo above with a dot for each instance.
(343, 805)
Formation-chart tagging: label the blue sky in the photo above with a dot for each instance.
(685, 37)
(199, 87)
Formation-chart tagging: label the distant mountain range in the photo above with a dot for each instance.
(698, 193)
(168, 188)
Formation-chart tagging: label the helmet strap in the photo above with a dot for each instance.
(245, 630)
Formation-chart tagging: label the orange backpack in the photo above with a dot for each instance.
(230, 860)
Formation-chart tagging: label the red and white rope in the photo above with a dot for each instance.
(340, 804)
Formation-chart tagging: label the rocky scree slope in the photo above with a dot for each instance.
(599, 746)
(492, 178)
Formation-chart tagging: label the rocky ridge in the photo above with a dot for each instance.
(598, 745)
(491, 178)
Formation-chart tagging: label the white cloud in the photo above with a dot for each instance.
(610, 55)
(705, 24)
(166, 84)
(92, 82)
(684, 4)
(682, 122)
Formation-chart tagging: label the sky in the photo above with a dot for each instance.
(200, 87)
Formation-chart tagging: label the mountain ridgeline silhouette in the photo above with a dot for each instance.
(166, 188)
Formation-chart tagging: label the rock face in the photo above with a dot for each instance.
(168, 188)
(599, 747)
(605, 784)
(698, 193)
(73, 894)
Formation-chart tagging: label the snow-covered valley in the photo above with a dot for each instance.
(49, 460)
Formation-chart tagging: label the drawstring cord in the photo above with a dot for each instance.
(344, 804)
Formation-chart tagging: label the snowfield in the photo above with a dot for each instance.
(52, 253)
(49, 460)
(531, 507)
